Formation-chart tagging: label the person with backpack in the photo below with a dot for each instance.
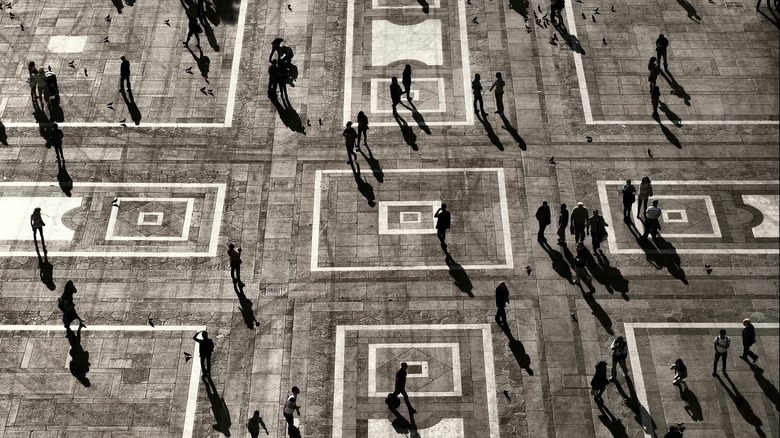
(722, 344)
(619, 349)
(290, 408)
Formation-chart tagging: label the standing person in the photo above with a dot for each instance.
(645, 192)
(563, 223)
(661, 44)
(406, 80)
(37, 224)
(400, 387)
(579, 222)
(362, 128)
(193, 29)
(31, 73)
(68, 307)
(395, 92)
(655, 99)
(543, 216)
(350, 135)
(499, 86)
(443, 222)
(235, 264)
(619, 349)
(291, 407)
(502, 299)
(722, 344)
(598, 229)
(476, 89)
(124, 74)
(680, 373)
(652, 68)
(599, 382)
(748, 339)
(652, 225)
(629, 197)
(205, 348)
(580, 265)
(273, 79)
(43, 87)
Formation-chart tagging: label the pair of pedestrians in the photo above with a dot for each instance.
(395, 90)
(476, 90)
(722, 344)
(352, 137)
(599, 382)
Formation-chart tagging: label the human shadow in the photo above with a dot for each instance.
(132, 108)
(677, 89)
(518, 351)
(671, 115)
(458, 274)
(692, 405)
(365, 189)
(662, 255)
(417, 117)
(203, 62)
(690, 10)
(571, 261)
(771, 19)
(373, 163)
(409, 136)
(425, 6)
(612, 423)
(640, 412)
(64, 179)
(404, 427)
(513, 132)
(246, 307)
(559, 263)
(766, 385)
(45, 269)
(79, 358)
(669, 135)
(227, 10)
(209, 31)
(598, 312)
(218, 407)
(288, 115)
(3, 134)
(43, 121)
(491, 133)
(742, 405)
(608, 275)
(118, 5)
(519, 6)
(571, 40)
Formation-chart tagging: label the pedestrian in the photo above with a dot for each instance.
(406, 80)
(124, 74)
(580, 265)
(652, 224)
(748, 339)
(722, 344)
(68, 307)
(235, 264)
(563, 223)
(619, 349)
(543, 216)
(579, 222)
(645, 192)
(37, 224)
(395, 92)
(502, 299)
(42, 86)
(598, 229)
(273, 79)
(629, 197)
(400, 387)
(55, 138)
(31, 73)
(652, 68)
(442, 223)
(499, 86)
(661, 45)
(599, 382)
(282, 73)
(350, 135)
(194, 29)
(680, 373)
(254, 423)
(476, 89)
(291, 407)
(54, 89)
(205, 348)
(362, 129)
(655, 99)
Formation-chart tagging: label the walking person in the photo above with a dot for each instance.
(350, 135)
(124, 75)
(31, 73)
(599, 382)
(290, 408)
(406, 80)
(580, 265)
(42, 86)
(502, 299)
(563, 223)
(652, 224)
(205, 348)
(443, 221)
(722, 344)
(400, 387)
(273, 78)
(655, 99)
(629, 197)
(680, 373)
(652, 68)
(37, 224)
(645, 192)
(598, 229)
(499, 86)
(748, 339)
(235, 264)
(619, 349)
(543, 216)
(254, 423)
(395, 92)
(194, 29)
(362, 129)
(661, 45)
(66, 304)
(579, 222)
(476, 89)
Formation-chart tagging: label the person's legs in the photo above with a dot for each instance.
(500, 103)
(579, 232)
(540, 234)
(481, 105)
(623, 367)
(561, 234)
(203, 365)
(441, 234)
(406, 400)
(208, 364)
(614, 370)
(290, 420)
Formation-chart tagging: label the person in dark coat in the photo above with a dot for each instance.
(395, 92)
(193, 29)
(443, 222)
(543, 215)
(406, 80)
(502, 299)
(124, 74)
(599, 382)
(563, 222)
(205, 348)
(400, 387)
(748, 339)
(362, 128)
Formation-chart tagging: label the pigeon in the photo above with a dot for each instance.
(604, 40)
(12, 15)
(10, 5)
(123, 121)
(167, 23)
(308, 123)
(149, 321)
(708, 268)
(115, 203)
(613, 9)
(320, 121)
(527, 28)
(210, 91)
(85, 72)
(289, 7)
(593, 17)
(596, 11)
(188, 70)
(584, 17)
(506, 394)
(573, 316)
(21, 25)
(124, 125)
(552, 160)
(108, 18)
(555, 37)
(589, 139)
(187, 357)
(105, 40)
(528, 269)
(649, 153)
(552, 42)
(203, 90)
(109, 105)
(70, 64)
(468, 2)
(474, 20)
(539, 7)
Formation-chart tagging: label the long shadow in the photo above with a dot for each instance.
(671, 115)
(458, 274)
(559, 263)
(79, 359)
(742, 405)
(43, 121)
(376, 169)
(132, 108)
(571, 261)
(246, 308)
(288, 116)
(491, 133)
(227, 10)
(3, 134)
(45, 269)
(637, 408)
(669, 135)
(769, 389)
(690, 10)
(661, 255)
(771, 19)
(677, 89)
(608, 275)
(519, 6)
(64, 179)
(409, 136)
(365, 189)
(513, 132)
(569, 39)
(612, 423)
(203, 62)
(209, 31)
(425, 6)
(692, 405)
(119, 5)
(404, 427)
(417, 117)
(218, 407)
(598, 312)
(56, 113)
(518, 351)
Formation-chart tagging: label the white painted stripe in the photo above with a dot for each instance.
(338, 383)
(686, 122)
(400, 268)
(490, 381)
(185, 226)
(425, 170)
(702, 251)
(175, 255)
(466, 65)
(117, 125)
(234, 71)
(505, 219)
(216, 223)
(112, 184)
(702, 182)
(584, 97)
(315, 224)
(192, 391)
(350, 41)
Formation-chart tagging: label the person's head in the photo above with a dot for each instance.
(655, 203)
(498, 75)
(580, 205)
(679, 362)
(652, 60)
(349, 124)
(563, 206)
(746, 322)
(444, 206)
(361, 114)
(394, 80)
(595, 212)
(660, 35)
(41, 71)
(122, 57)
(501, 284)
(722, 333)
(476, 76)
(408, 67)
(544, 203)
(656, 89)
(205, 334)
(601, 364)
(645, 180)
(37, 210)
(55, 125)
(256, 414)
(619, 340)
(628, 181)
(404, 365)
(295, 390)
(69, 286)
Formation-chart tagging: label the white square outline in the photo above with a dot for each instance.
(683, 216)
(142, 217)
(457, 389)
(423, 367)
(192, 392)
(216, 224)
(375, 96)
(417, 215)
(185, 232)
(465, 68)
(339, 359)
(375, 5)
(315, 224)
(382, 221)
(612, 241)
(636, 366)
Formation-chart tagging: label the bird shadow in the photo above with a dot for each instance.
(513, 132)
(491, 133)
(203, 62)
(132, 108)
(79, 358)
(409, 136)
(218, 407)
(417, 117)
(742, 405)
(246, 307)
(459, 275)
(373, 163)
(365, 189)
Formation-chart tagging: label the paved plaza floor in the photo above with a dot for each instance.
(343, 275)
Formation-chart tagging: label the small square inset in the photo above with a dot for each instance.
(410, 217)
(67, 43)
(416, 368)
(437, 373)
(158, 218)
(670, 216)
(414, 217)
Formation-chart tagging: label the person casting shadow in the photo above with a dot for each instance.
(490, 132)
(132, 108)
(254, 423)
(64, 179)
(518, 351)
(79, 358)
(513, 132)
(55, 139)
(246, 307)
(365, 189)
(376, 169)
(409, 136)
(458, 274)
(743, 406)
(218, 407)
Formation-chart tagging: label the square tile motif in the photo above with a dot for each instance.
(173, 218)
(439, 373)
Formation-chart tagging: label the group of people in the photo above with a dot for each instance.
(43, 86)
(279, 70)
(654, 68)
(649, 215)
